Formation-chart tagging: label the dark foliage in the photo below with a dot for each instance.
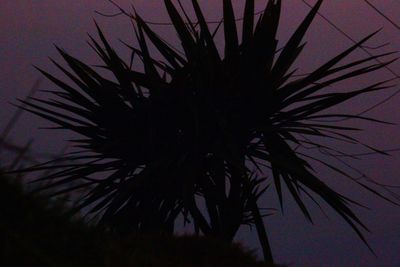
(36, 231)
(196, 125)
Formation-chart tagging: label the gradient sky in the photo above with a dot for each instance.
(29, 28)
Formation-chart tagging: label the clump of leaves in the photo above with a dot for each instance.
(195, 124)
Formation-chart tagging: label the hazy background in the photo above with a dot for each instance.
(28, 30)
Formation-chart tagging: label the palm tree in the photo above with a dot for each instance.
(197, 125)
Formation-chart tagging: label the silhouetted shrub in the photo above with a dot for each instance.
(35, 231)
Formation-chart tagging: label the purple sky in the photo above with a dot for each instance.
(29, 28)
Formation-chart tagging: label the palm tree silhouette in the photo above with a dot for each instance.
(198, 126)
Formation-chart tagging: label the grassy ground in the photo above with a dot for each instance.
(37, 232)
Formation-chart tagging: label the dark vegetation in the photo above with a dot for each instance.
(200, 127)
(36, 231)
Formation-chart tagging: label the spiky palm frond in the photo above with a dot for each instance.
(191, 125)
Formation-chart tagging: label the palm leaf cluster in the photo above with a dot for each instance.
(192, 127)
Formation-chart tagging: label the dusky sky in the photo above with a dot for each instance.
(29, 28)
